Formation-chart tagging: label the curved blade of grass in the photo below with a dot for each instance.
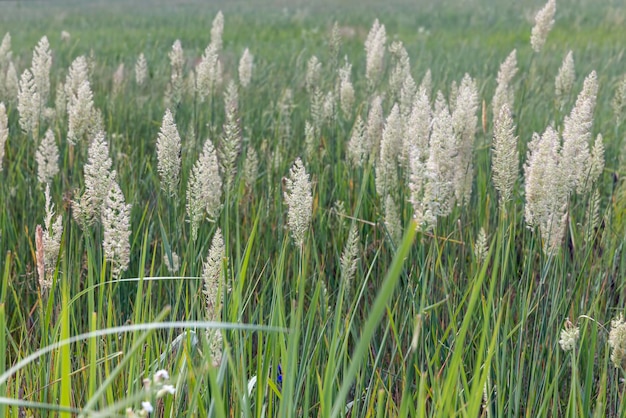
(378, 309)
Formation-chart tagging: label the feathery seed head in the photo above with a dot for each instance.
(346, 90)
(619, 100)
(464, 121)
(245, 68)
(28, 104)
(544, 20)
(217, 30)
(565, 79)
(358, 149)
(41, 63)
(375, 125)
(504, 93)
(375, 53)
(299, 200)
(569, 336)
(390, 150)
(214, 278)
(617, 341)
(505, 157)
(313, 74)
(480, 246)
(230, 145)
(83, 118)
(251, 167)
(174, 92)
(209, 72)
(47, 157)
(141, 70)
(393, 223)
(11, 83)
(204, 191)
(577, 135)
(118, 79)
(169, 154)
(116, 228)
(97, 182)
(349, 257)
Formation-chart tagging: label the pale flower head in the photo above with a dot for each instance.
(47, 157)
(245, 68)
(617, 341)
(544, 20)
(4, 131)
(141, 70)
(299, 200)
(116, 229)
(169, 154)
(565, 79)
(569, 336)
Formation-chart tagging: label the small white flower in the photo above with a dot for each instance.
(147, 406)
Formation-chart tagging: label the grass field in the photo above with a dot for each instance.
(238, 259)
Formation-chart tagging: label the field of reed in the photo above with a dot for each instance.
(316, 209)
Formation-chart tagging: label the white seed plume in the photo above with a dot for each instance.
(60, 102)
(65, 36)
(118, 80)
(596, 163)
(358, 148)
(204, 190)
(214, 278)
(245, 68)
(349, 257)
(310, 141)
(83, 118)
(346, 90)
(390, 148)
(480, 246)
(285, 107)
(464, 121)
(251, 167)
(544, 20)
(209, 72)
(174, 92)
(78, 74)
(569, 336)
(169, 154)
(299, 200)
(504, 90)
(546, 190)
(504, 157)
(47, 157)
(565, 79)
(141, 70)
(5, 51)
(52, 235)
(41, 63)
(393, 223)
(619, 100)
(617, 341)
(97, 181)
(415, 148)
(407, 95)
(401, 68)
(230, 145)
(217, 30)
(439, 197)
(4, 131)
(313, 74)
(375, 125)
(116, 228)
(375, 53)
(577, 135)
(28, 104)
(11, 83)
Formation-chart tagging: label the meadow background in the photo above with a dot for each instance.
(426, 326)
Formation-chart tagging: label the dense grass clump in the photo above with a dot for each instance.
(236, 210)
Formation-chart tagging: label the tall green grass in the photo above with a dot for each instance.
(425, 329)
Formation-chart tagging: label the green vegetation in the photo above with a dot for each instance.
(428, 325)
